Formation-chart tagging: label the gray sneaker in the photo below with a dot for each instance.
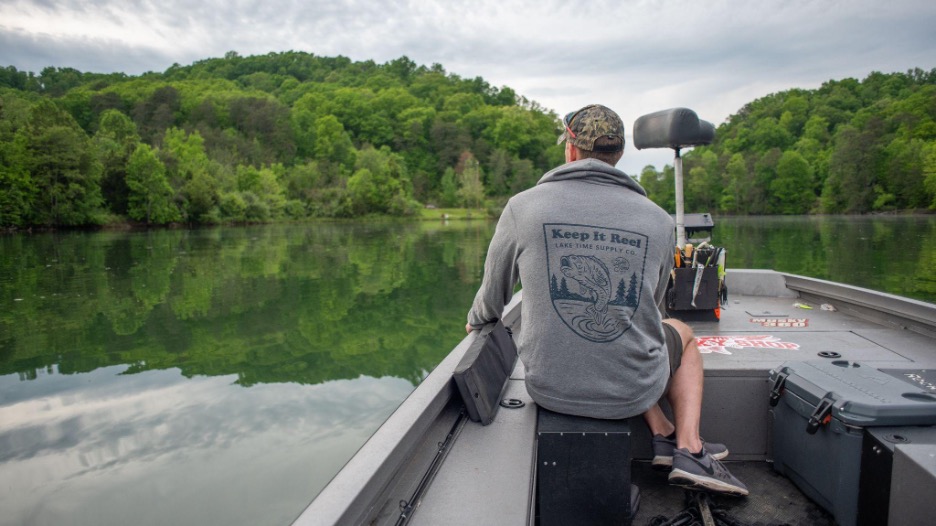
(663, 451)
(704, 473)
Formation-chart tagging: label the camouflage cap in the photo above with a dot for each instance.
(582, 127)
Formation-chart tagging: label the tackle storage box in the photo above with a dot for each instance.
(820, 412)
(696, 288)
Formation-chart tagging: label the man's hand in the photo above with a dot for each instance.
(468, 328)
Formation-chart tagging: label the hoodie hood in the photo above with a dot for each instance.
(594, 171)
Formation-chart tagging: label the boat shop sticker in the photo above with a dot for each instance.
(595, 276)
(771, 323)
(721, 344)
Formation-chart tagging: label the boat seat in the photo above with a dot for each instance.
(583, 470)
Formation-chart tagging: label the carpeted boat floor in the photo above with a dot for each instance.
(774, 500)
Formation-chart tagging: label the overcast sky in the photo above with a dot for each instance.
(636, 56)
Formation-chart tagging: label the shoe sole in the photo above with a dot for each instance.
(688, 480)
(661, 462)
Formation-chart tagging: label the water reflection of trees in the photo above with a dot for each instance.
(287, 303)
(896, 254)
(312, 303)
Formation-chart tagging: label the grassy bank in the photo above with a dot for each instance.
(439, 214)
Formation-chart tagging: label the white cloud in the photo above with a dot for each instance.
(198, 443)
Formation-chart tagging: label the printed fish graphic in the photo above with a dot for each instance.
(593, 277)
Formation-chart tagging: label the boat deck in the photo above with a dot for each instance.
(487, 474)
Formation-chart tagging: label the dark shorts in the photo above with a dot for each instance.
(674, 347)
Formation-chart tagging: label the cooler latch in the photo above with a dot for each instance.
(777, 388)
(820, 416)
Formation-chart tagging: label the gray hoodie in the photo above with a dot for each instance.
(593, 255)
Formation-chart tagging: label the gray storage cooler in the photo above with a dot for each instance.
(821, 410)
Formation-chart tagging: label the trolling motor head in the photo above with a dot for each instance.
(675, 128)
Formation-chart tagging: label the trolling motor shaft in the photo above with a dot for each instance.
(675, 128)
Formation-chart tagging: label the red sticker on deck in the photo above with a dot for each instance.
(771, 323)
(721, 344)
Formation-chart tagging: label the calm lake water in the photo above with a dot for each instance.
(223, 376)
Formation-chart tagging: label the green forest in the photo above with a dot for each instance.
(252, 139)
(289, 136)
(849, 147)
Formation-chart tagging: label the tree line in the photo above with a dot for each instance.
(847, 147)
(260, 138)
(293, 135)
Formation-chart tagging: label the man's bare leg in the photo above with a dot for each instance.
(657, 421)
(685, 392)
(690, 467)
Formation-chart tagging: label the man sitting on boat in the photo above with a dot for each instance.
(593, 254)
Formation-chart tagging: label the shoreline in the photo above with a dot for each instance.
(425, 214)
